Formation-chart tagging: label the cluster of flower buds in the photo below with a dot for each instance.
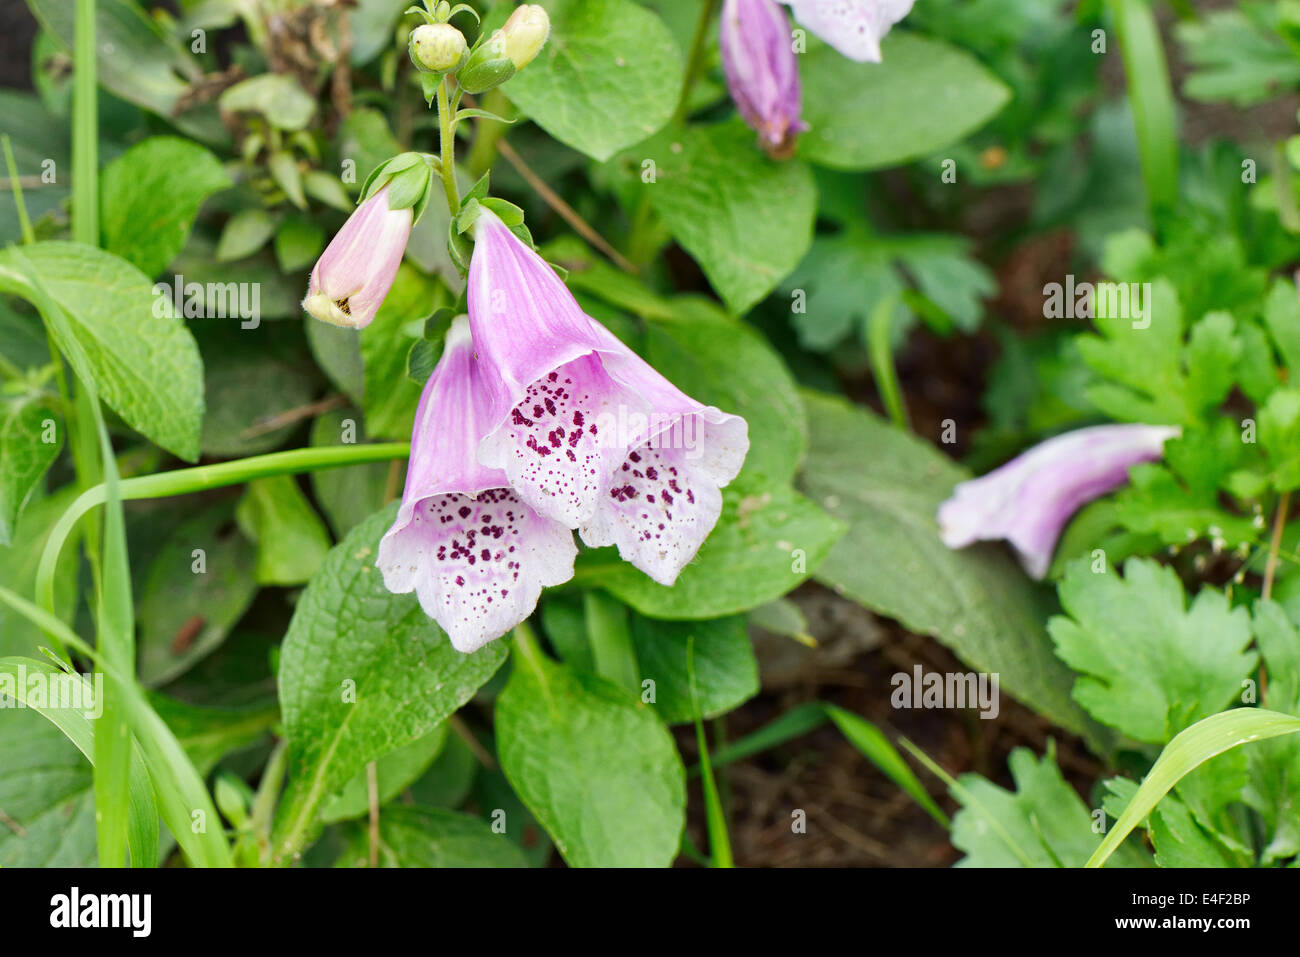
(438, 48)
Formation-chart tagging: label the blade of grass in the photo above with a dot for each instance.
(1151, 98)
(795, 723)
(1190, 748)
(715, 814)
(875, 747)
(880, 347)
(115, 635)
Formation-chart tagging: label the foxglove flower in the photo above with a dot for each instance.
(762, 72)
(357, 269)
(853, 27)
(475, 555)
(1029, 500)
(586, 431)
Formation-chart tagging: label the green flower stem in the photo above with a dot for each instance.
(198, 479)
(85, 128)
(447, 147)
(695, 62)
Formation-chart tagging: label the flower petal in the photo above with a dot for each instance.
(477, 563)
(658, 511)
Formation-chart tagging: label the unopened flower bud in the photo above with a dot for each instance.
(488, 66)
(438, 48)
(525, 34)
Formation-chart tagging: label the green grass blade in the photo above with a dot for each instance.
(715, 814)
(1190, 748)
(795, 723)
(115, 634)
(875, 747)
(1151, 98)
(880, 347)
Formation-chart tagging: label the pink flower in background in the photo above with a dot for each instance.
(1029, 500)
(853, 27)
(589, 434)
(357, 268)
(762, 71)
(475, 554)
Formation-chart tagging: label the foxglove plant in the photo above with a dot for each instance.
(588, 433)
(762, 72)
(853, 27)
(1029, 500)
(353, 275)
(475, 554)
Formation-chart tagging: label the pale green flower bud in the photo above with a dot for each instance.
(525, 34)
(438, 48)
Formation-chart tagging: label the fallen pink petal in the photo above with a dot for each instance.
(1029, 500)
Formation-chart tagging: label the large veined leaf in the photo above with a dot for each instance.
(608, 77)
(924, 96)
(143, 360)
(150, 195)
(596, 767)
(431, 837)
(887, 486)
(362, 672)
(747, 219)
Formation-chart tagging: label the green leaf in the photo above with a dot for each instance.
(1237, 56)
(1155, 377)
(244, 234)
(1042, 823)
(18, 564)
(887, 486)
(1274, 766)
(431, 837)
(726, 672)
(925, 95)
(277, 96)
(291, 539)
(746, 219)
(766, 543)
(252, 380)
(46, 791)
(144, 364)
(362, 672)
(55, 834)
(608, 77)
(394, 773)
(150, 197)
(597, 769)
(30, 439)
(298, 241)
(198, 585)
(137, 60)
(1150, 664)
(390, 396)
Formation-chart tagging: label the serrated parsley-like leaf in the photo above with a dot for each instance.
(1150, 664)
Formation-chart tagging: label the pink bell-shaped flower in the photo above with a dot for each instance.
(477, 556)
(762, 71)
(586, 431)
